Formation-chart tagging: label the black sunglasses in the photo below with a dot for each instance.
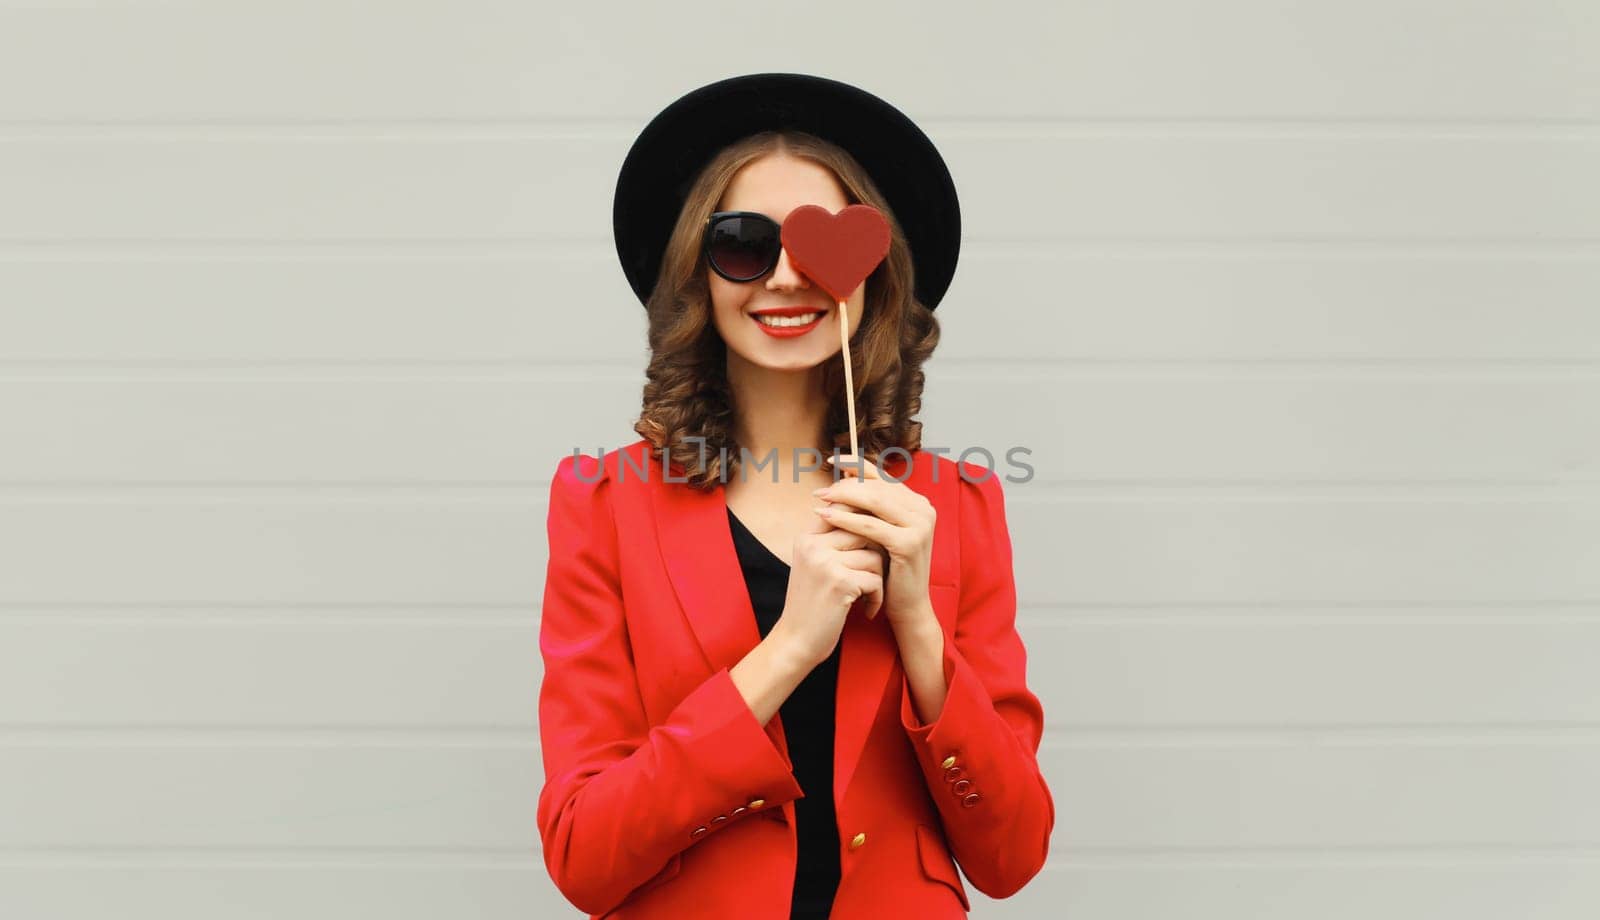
(742, 245)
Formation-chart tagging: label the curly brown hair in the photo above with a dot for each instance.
(687, 396)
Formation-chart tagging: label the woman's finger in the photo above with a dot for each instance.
(870, 526)
(847, 465)
(839, 539)
(892, 502)
(868, 559)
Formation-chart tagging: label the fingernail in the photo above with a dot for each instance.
(819, 491)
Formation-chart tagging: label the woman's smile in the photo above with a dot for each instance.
(788, 322)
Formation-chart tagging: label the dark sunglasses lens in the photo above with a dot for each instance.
(744, 247)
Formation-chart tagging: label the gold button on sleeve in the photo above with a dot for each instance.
(949, 762)
(857, 841)
(757, 803)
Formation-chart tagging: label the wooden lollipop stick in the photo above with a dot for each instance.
(849, 380)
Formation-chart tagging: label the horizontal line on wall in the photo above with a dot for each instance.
(1063, 857)
(512, 737)
(1067, 857)
(1032, 616)
(1510, 614)
(249, 611)
(27, 247)
(941, 368)
(326, 370)
(298, 857)
(1273, 614)
(1289, 365)
(623, 128)
(527, 495)
(1271, 127)
(1056, 736)
(533, 494)
(517, 249)
(208, 618)
(1322, 735)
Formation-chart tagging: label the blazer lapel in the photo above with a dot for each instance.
(701, 562)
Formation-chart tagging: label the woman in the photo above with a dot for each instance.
(760, 702)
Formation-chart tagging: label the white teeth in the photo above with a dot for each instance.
(787, 320)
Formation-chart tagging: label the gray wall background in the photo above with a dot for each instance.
(1297, 305)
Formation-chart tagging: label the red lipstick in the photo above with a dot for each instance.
(787, 332)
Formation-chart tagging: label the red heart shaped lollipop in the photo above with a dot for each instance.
(838, 251)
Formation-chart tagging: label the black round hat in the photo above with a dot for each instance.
(669, 153)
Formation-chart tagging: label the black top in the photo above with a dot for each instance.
(807, 719)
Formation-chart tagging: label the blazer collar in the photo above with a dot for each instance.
(703, 565)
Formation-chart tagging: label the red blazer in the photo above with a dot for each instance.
(664, 797)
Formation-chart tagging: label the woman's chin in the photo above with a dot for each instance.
(782, 358)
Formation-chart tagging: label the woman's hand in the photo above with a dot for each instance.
(900, 521)
(832, 569)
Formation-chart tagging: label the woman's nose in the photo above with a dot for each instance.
(785, 275)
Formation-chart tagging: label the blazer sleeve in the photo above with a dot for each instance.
(621, 796)
(989, 729)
